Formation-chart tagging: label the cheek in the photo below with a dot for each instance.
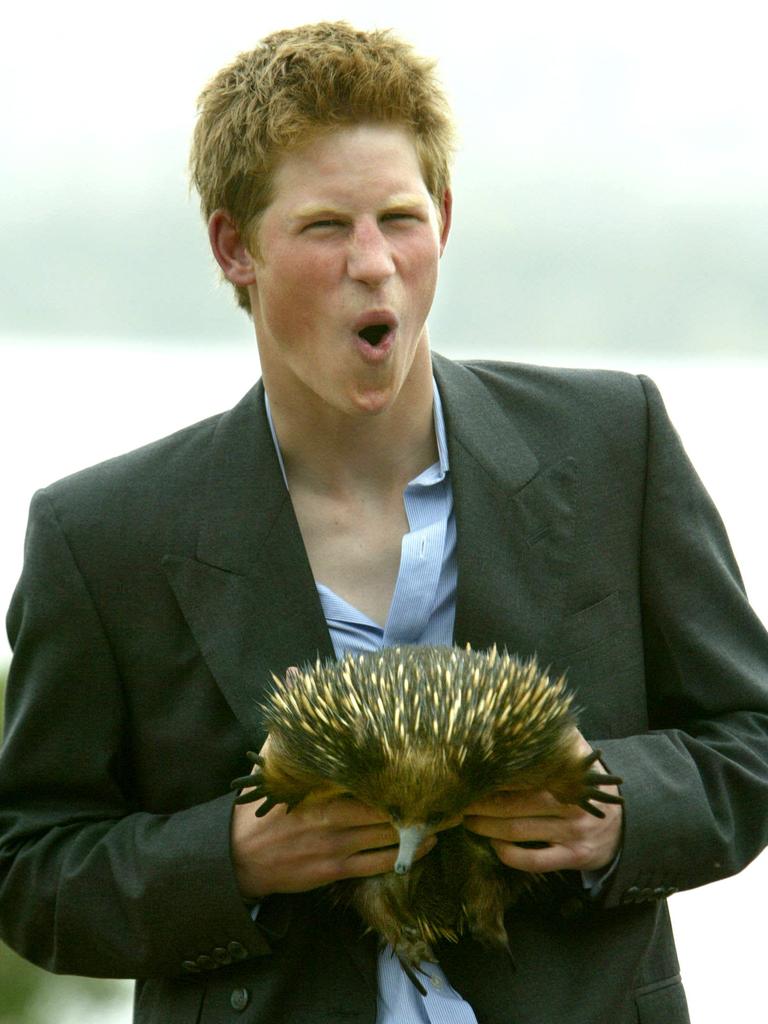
(421, 264)
(292, 295)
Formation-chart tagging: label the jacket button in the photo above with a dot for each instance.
(237, 951)
(239, 998)
(631, 895)
(222, 956)
(191, 967)
(207, 963)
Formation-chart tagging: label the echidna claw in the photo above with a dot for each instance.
(590, 759)
(256, 793)
(607, 798)
(592, 780)
(591, 809)
(602, 779)
(601, 797)
(266, 807)
(411, 975)
(246, 781)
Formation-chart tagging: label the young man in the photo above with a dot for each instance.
(364, 494)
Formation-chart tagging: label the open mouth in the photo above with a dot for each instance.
(374, 333)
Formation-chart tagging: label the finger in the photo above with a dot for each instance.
(368, 837)
(549, 830)
(450, 823)
(347, 812)
(506, 804)
(538, 860)
(366, 863)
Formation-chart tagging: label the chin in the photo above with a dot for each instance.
(375, 400)
(371, 405)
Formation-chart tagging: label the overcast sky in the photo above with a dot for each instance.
(611, 173)
(673, 92)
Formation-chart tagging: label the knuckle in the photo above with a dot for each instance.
(581, 854)
(581, 827)
(512, 856)
(332, 870)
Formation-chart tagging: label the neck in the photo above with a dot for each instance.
(336, 453)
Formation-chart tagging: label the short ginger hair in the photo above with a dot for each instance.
(297, 84)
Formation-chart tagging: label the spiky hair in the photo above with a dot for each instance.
(485, 716)
(296, 84)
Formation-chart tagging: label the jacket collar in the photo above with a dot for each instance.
(248, 593)
(480, 429)
(514, 516)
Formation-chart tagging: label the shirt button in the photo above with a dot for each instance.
(437, 981)
(239, 998)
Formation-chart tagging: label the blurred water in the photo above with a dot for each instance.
(65, 406)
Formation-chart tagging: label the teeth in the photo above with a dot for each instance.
(374, 333)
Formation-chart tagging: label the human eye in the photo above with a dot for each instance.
(323, 223)
(403, 215)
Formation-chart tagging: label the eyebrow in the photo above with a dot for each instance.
(397, 202)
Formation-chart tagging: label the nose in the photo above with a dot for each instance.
(369, 258)
(411, 838)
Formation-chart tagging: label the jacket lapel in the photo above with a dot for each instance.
(514, 517)
(248, 594)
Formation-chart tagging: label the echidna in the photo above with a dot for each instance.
(420, 733)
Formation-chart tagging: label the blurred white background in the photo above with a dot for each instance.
(610, 210)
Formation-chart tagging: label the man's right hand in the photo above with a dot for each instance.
(316, 843)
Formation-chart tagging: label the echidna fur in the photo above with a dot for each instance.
(420, 733)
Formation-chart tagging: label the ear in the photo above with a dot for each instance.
(446, 210)
(230, 250)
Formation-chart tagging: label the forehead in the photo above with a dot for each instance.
(352, 164)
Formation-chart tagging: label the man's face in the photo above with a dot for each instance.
(346, 272)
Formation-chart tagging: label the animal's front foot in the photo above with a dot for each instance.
(411, 950)
(255, 787)
(592, 781)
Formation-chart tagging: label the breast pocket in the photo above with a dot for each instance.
(590, 626)
(662, 1003)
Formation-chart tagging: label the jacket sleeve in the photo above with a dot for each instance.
(89, 884)
(696, 784)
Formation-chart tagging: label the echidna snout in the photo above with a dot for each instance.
(411, 838)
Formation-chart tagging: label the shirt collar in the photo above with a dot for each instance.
(433, 474)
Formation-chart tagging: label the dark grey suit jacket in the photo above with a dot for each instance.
(159, 591)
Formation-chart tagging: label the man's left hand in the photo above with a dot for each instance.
(576, 840)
